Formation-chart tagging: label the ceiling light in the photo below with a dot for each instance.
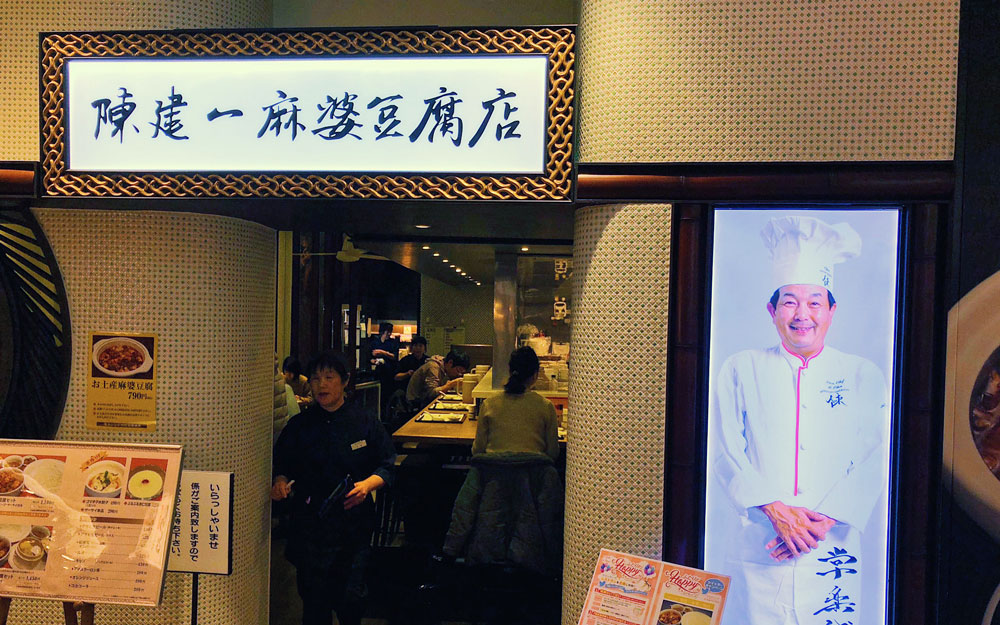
(437, 253)
(444, 260)
(458, 269)
(421, 226)
(452, 266)
(427, 247)
(524, 249)
(463, 273)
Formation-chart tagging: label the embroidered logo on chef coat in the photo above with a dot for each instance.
(358, 445)
(834, 392)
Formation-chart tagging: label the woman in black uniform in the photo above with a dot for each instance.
(328, 459)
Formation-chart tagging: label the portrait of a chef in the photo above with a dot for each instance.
(797, 450)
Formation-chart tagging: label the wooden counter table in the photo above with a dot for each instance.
(430, 433)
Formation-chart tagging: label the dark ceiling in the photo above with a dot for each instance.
(477, 260)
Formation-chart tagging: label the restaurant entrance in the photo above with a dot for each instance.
(477, 299)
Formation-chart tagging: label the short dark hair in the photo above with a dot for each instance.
(291, 364)
(523, 364)
(829, 298)
(385, 326)
(418, 340)
(329, 360)
(458, 358)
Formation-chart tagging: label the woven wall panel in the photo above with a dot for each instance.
(22, 20)
(781, 80)
(205, 285)
(617, 394)
(468, 306)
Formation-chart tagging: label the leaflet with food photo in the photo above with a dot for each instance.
(631, 590)
(85, 521)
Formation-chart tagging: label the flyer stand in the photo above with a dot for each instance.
(70, 608)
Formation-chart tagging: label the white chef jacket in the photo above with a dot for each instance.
(806, 432)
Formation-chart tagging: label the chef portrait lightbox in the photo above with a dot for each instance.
(801, 358)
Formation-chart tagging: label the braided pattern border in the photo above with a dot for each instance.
(555, 184)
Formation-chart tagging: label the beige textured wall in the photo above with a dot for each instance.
(205, 285)
(781, 80)
(293, 13)
(445, 305)
(617, 389)
(22, 20)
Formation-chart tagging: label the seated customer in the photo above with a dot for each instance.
(291, 370)
(412, 361)
(518, 419)
(437, 375)
(509, 511)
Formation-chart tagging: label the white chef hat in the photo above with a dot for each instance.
(805, 249)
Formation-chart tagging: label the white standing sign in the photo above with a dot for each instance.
(201, 535)
(469, 114)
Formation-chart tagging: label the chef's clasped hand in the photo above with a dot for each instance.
(798, 530)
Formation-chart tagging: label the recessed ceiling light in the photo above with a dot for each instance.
(437, 253)
(524, 248)
(444, 260)
(478, 284)
(463, 273)
(427, 247)
(421, 226)
(452, 266)
(458, 269)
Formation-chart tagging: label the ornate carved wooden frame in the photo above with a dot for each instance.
(555, 184)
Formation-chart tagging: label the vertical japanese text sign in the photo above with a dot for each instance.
(201, 535)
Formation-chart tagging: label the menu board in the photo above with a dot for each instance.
(85, 521)
(632, 590)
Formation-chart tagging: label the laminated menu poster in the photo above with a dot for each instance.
(632, 590)
(121, 383)
(85, 521)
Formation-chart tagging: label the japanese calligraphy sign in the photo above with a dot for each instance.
(453, 114)
(631, 590)
(86, 521)
(353, 117)
(201, 535)
(121, 384)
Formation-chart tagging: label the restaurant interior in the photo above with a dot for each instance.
(681, 110)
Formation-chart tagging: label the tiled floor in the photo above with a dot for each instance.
(396, 597)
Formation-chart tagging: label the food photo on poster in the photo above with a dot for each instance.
(802, 339)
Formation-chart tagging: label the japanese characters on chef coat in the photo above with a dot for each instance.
(810, 433)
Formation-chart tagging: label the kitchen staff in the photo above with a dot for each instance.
(798, 438)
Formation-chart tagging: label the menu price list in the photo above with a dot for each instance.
(631, 590)
(90, 523)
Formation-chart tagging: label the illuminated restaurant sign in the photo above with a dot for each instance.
(387, 114)
(445, 115)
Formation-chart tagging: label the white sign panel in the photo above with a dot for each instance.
(446, 114)
(200, 539)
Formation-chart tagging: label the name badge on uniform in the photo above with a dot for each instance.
(358, 445)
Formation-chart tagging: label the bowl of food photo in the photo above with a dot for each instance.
(105, 479)
(4, 550)
(121, 357)
(13, 461)
(11, 482)
(30, 550)
(146, 482)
